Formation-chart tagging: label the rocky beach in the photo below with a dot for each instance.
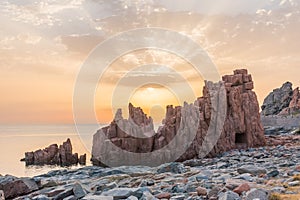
(271, 172)
(252, 160)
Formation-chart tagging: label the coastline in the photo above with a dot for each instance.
(264, 171)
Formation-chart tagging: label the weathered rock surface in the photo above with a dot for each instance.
(13, 187)
(277, 100)
(242, 127)
(54, 155)
(282, 101)
(281, 109)
(294, 106)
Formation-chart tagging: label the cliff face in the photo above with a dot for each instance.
(242, 127)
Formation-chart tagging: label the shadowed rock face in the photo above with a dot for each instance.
(53, 155)
(282, 101)
(278, 100)
(242, 127)
(294, 105)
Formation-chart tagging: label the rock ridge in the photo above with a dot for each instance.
(242, 127)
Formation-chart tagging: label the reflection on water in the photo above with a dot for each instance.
(16, 140)
(36, 170)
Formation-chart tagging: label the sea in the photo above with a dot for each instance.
(15, 140)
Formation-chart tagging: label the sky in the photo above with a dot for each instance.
(44, 44)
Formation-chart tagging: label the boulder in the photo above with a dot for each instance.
(257, 194)
(251, 169)
(78, 191)
(54, 155)
(278, 100)
(14, 187)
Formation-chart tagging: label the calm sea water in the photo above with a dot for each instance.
(15, 140)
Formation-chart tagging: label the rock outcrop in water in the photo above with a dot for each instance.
(242, 127)
(54, 155)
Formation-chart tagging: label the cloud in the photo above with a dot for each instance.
(81, 43)
(29, 39)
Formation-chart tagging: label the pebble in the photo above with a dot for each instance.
(164, 195)
(242, 188)
(201, 191)
(294, 183)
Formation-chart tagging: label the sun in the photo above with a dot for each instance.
(150, 89)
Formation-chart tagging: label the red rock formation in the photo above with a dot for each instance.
(53, 155)
(242, 126)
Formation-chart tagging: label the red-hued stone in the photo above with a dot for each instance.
(242, 188)
(242, 127)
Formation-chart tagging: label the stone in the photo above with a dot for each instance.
(201, 191)
(78, 191)
(119, 193)
(72, 197)
(178, 197)
(278, 189)
(97, 197)
(147, 182)
(277, 100)
(240, 71)
(55, 192)
(14, 187)
(164, 195)
(273, 173)
(64, 194)
(40, 197)
(242, 188)
(294, 183)
(201, 177)
(251, 169)
(213, 193)
(247, 177)
(54, 155)
(257, 194)
(132, 198)
(242, 128)
(229, 196)
(176, 168)
(82, 159)
(249, 86)
(147, 196)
